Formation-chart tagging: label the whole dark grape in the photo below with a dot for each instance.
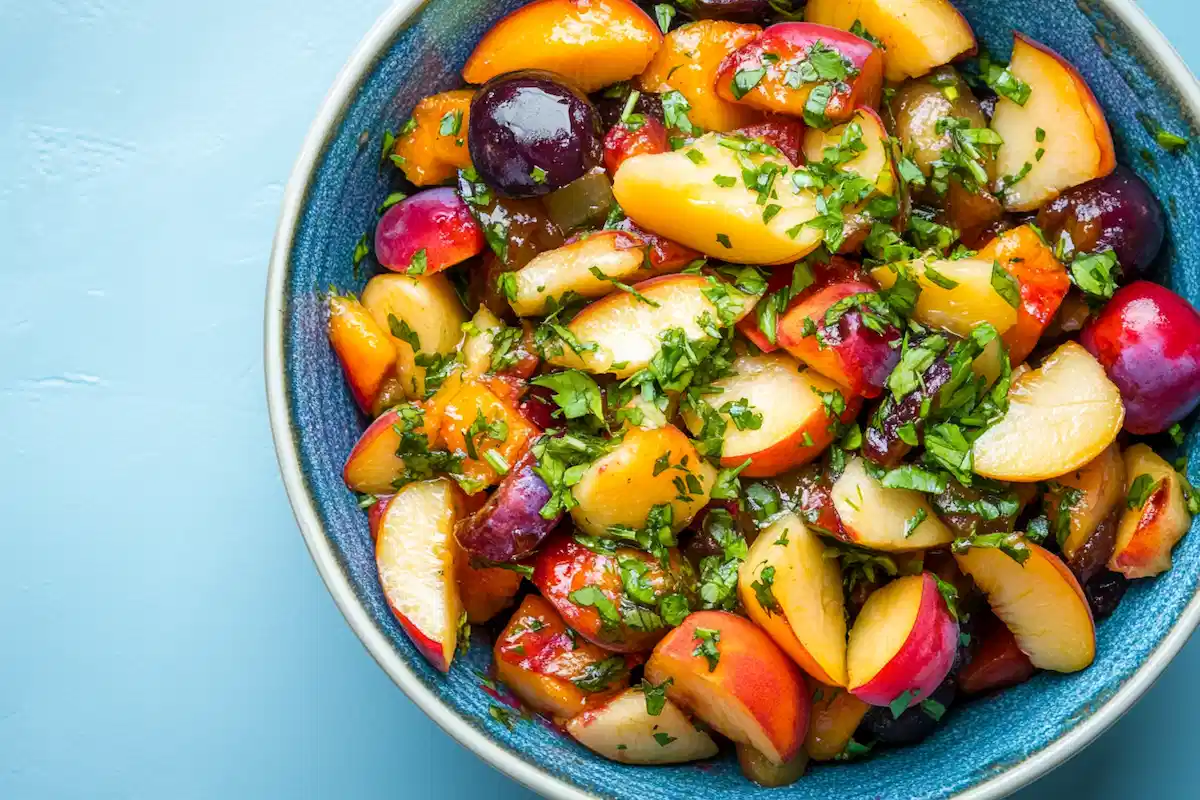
(531, 133)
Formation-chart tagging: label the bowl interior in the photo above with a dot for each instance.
(982, 739)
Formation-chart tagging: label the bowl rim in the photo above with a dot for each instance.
(337, 102)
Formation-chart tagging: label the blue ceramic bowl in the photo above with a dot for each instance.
(989, 748)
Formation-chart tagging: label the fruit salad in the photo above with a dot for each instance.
(763, 384)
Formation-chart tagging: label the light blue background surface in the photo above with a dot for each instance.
(163, 633)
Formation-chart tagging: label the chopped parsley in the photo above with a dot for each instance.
(656, 695)
(1140, 489)
(707, 639)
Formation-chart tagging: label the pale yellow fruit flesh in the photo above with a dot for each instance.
(876, 516)
(623, 730)
(675, 196)
(1040, 602)
(1060, 416)
(430, 307)
(882, 628)
(620, 487)
(962, 308)
(552, 274)
(415, 555)
(1146, 535)
(808, 588)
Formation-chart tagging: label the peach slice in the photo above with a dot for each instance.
(783, 83)
(1041, 603)
(549, 669)
(727, 672)
(1100, 485)
(836, 714)
(1147, 532)
(795, 427)
(477, 423)
(620, 334)
(415, 554)
(1044, 283)
(688, 62)
(847, 351)
(373, 464)
(429, 310)
(366, 352)
(593, 43)
(697, 196)
(903, 641)
(623, 730)
(1057, 140)
(426, 155)
(917, 35)
(877, 517)
(794, 593)
(617, 255)
(874, 163)
(1060, 416)
(431, 231)
(622, 486)
(971, 300)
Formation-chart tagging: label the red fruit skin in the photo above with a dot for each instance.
(836, 270)
(665, 254)
(784, 133)
(650, 138)
(790, 41)
(436, 221)
(1148, 340)
(998, 662)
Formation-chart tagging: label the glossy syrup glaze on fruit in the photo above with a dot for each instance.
(793, 381)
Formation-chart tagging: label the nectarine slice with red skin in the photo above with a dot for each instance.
(997, 662)
(917, 35)
(854, 356)
(1146, 534)
(795, 427)
(564, 566)
(430, 308)
(1041, 603)
(878, 517)
(621, 487)
(1043, 282)
(1060, 416)
(792, 43)
(538, 659)
(592, 43)
(1076, 145)
(625, 328)
(874, 163)
(785, 134)
(836, 714)
(427, 156)
(903, 640)
(688, 62)
(416, 554)
(751, 692)
(373, 465)
(626, 141)
(697, 196)
(427, 233)
(801, 606)
(835, 270)
(365, 352)
(623, 730)
(662, 254)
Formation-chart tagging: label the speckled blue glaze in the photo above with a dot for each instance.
(981, 739)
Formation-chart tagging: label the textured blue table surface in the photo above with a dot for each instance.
(163, 633)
